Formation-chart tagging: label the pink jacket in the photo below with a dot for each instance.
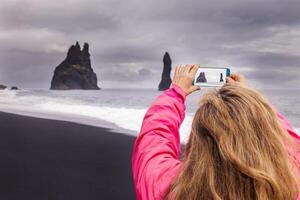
(155, 159)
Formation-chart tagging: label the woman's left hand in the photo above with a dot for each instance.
(184, 76)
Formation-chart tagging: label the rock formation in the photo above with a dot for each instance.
(14, 88)
(2, 87)
(75, 72)
(201, 78)
(221, 77)
(166, 77)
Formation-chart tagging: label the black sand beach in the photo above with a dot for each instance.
(47, 159)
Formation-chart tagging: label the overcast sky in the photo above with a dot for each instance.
(128, 38)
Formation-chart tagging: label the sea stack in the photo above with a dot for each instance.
(201, 78)
(75, 72)
(14, 88)
(166, 74)
(2, 87)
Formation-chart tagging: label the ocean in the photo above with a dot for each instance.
(121, 109)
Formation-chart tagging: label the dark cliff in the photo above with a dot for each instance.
(166, 74)
(2, 87)
(75, 72)
(201, 78)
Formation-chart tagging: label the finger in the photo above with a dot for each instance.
(176, 72)
(234, 76)
(229, 80)
(193, 66)
(184, 67)
(194, 69)
(181, 68)
(194, 88)
(188, 68)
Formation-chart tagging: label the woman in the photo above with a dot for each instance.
(240, 147)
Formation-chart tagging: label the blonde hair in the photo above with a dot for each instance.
(236, 150)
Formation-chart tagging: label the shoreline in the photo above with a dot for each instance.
(74, 118)
(54, 159)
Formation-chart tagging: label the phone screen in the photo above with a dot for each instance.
(211, 77)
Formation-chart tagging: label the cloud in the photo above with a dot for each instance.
(71, 15)
(281, 40)
(33, 40)
(128, 38)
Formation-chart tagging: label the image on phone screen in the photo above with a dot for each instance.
(211, 76)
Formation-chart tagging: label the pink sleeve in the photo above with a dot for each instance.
(286, 124)
(155, 159)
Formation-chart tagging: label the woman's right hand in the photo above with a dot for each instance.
(184, 76)
(237, 79)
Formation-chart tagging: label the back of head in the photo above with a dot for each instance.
(236, 150)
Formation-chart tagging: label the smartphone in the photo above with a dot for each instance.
(211, 77)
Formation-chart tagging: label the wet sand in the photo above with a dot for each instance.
(48, 159)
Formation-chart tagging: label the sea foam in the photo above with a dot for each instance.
(127, 118)
(81, 112)
(122, 110)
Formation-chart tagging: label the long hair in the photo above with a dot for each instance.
(236, 151)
